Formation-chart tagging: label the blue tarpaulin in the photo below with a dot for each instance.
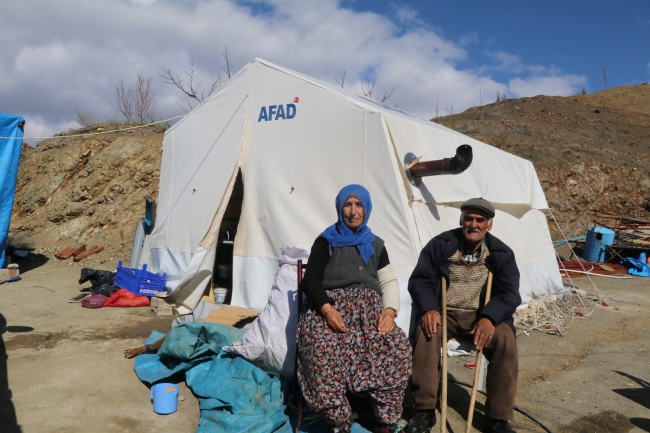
(234, 395)
(9, 158)
(636, 267)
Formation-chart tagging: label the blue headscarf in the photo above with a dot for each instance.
(340, 235)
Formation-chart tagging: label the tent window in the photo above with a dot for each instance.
(222, 274)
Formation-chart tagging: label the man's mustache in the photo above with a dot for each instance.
(472, 230)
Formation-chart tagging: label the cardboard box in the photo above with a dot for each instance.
(230, 315)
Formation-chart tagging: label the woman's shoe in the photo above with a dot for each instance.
(421, 422)
(387, 428)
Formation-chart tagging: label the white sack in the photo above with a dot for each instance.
(271, 342)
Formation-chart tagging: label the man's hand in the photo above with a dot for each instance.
(430, 322)
(386, 321)
(483, 332)
(333, 319)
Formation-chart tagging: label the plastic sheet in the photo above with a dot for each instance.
(234, 395)
(101, 281)
(636, 267)
(9, 158)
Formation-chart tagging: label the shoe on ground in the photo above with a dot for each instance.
(422, 422)
(497, 426)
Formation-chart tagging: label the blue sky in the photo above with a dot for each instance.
(68, 55)
(578, 37)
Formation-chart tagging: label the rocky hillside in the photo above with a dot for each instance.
(591, 152)
(74, 190)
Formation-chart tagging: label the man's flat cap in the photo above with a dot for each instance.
(479, 203)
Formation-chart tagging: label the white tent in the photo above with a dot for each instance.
(296, 141)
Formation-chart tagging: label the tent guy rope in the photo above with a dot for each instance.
(125, 129)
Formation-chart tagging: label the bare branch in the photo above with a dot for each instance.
(144, 96)
(368, 88)
(85, 118)
(190, 90)
(436, 116)
(228, 67)
(450, 109)
(387, 95)
(183, 108)
(342, 82)
(122, 104)
(138, 103)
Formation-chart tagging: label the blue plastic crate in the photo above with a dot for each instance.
(139, 281)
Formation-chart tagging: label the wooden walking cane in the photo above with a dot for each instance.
(296, 386)
(477, 371)
(443, 401)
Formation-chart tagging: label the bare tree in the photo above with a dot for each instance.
(450, 109)
(368, 90)
(436, 115)
(481, 98)
(86, 118)
(228, 67)
(136, 103)
(605, 78)
(189, 88)
(501, 138)
(342, 82)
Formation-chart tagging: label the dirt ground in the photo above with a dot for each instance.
(67, 372)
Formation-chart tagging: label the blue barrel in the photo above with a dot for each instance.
(597, 238)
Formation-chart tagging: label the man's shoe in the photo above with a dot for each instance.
(497, 426)
(422, 422)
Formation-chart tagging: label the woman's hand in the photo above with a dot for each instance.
(387, 321)
(333, 319)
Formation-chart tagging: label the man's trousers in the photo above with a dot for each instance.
(502, 369)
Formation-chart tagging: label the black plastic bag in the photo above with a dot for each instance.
(101, 281)
(105, 289)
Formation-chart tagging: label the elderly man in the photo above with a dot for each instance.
(463, 257)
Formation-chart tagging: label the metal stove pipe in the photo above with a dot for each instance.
(456, 165)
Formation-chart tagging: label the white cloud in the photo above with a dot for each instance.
(407, 15)
(67, 55)
(468, 39)
(506, 62)
(563, 85)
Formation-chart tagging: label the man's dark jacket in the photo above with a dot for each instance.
(424, 284)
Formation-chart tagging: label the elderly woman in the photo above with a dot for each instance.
(347, 337)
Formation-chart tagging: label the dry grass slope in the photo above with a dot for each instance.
(590, 151)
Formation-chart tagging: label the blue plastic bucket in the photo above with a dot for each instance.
(597, 238)
(164, 402)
